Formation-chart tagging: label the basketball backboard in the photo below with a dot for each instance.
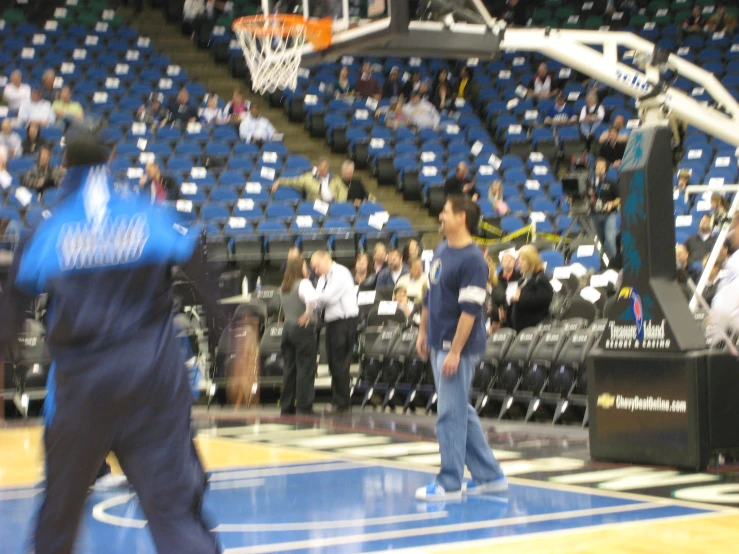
(449, 29)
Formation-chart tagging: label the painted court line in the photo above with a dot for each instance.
(437, 530)
(580, 489)
(100, 514)
(318, 525)
(238, 484)
(251, 473)
(600, 527)
(19, 494)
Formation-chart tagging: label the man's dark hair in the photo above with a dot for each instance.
(471, 211)
(84, 148)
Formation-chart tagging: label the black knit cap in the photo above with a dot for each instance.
(83, 147)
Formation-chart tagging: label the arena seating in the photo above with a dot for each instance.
(113, 71)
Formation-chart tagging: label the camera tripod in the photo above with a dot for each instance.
(580, 212)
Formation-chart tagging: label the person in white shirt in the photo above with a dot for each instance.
(421, 113)
(299, 346)
(212, 114)
(338, 299)
(415, 282)
(591, 116)
(36, 110)
(724, 314)
(254, 127)
(10, 140)
(16, 91)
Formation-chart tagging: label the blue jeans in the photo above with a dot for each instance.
(605, 226)
(458, 429)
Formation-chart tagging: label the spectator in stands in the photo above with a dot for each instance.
(236, 109)
(413, 84)
(495, 195)
(337, 299)
(694, 24)
(560, 113)
(508, 274)
(406, 305)
(255, 127)
(461, 183)
(591, 116)
(701, 244)
(542, 85)
(152, 114)
(162, 188)
(714, 278)
(16, 91)
(43, 176)
(415, 282)
(36, 109)
(719, 210)
(203, 23)
(48, 92)
(65, 109)
(363, 277)
(395, 118)
(367, 86)
(441, 77)
(467, 88)
(605, 201)
(514, 13)
(530, 303)
(388, 277)
(444, 99)
(421, 113)
(356, 193)
(33, 140)
(212, 114)
(316, 185)
(180, 112)
(393, 87)
(299, 347)
(683, 180)
(684, 270)
(612, 148)
(10, 139)
(424, 90)
(379, 257)
(342, 86)
(411, 251)
(722, 21)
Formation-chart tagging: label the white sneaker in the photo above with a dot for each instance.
(110, 482)
(436, 493)
(471, 488)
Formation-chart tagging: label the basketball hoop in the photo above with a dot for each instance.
(273, 47)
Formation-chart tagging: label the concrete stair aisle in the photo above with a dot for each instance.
(201, 67)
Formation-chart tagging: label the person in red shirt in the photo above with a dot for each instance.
(162, 188)
(367, 86)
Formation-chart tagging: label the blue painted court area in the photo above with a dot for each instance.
(337, 507)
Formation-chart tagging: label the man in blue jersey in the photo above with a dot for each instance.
(453, 335)
(106, 264)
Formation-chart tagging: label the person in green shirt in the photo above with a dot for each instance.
(317, 185)
(65, 109)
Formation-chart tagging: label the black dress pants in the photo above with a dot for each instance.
(299, 351)
(341, 336)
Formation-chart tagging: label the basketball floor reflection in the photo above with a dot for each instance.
(266, 498)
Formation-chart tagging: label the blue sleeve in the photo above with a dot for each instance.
(473, 280)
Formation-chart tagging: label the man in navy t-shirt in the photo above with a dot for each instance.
(560, 113)
(453, 335)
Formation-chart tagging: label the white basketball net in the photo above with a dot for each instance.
(273, 57)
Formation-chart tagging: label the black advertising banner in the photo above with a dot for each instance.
(646, 409)
(651, 312)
